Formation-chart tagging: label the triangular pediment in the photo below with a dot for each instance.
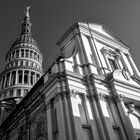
(102, 30)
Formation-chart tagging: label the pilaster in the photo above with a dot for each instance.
(101, 98)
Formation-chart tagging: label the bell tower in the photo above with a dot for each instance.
(23, 68)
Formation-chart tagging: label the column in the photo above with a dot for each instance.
(116, 119)
(131, 135)
(61, 118)
(97, 118)
(5, 80)
(90, 118)
(76, 116)
(19, 53)
(69, 117)
(16, 77)
(108, 129)
(10, 78)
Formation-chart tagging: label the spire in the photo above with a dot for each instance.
(26, 25)
(27, 12)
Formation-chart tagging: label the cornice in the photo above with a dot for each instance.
(71, 32)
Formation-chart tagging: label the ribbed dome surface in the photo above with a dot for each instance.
(25, 38)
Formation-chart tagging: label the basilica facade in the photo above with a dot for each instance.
(90, 92)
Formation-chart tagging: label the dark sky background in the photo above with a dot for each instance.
(51, 18)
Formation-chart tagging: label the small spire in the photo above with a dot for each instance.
(27, 12)
(26, 25)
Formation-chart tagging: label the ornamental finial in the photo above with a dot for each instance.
(27, 11)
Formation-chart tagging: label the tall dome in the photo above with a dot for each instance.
(23, 66)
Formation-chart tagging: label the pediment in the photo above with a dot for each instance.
(102, 30)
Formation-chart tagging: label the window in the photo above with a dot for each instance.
(20, 77)
(13, 54)
(8, 79)
(113, 64)
(13, 78)
(26, 77)
(35, 56)
(22, 53)
(32, 78)
(31, 54)
(17, 53)
(26, 53)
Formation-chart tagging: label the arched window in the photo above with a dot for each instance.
(22, 52)
(38, 58)
(17, 53)
(35, 56)
(26, 77)
(32, 78)
(31, 54)
(26, 53)
(13, 78)
(7, 79)
(13, 54)
(20, 77)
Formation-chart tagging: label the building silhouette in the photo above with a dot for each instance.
(90, 92)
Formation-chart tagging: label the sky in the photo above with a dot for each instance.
(51, 18)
